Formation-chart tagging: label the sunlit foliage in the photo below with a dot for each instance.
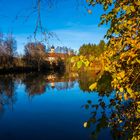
(122, 57)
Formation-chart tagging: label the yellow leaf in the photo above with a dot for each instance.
(129, 22)
(138, 3)
(118, 77)
(138, 60)
(85, 124)
(125, 97)
(72, 59)
(120, 121)
(106, 68)
(121, 89)
(81, 57)
(138, 109)
(138, 102)
(122, 74)
(130, 91)
(93, 86)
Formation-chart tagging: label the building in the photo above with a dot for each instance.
(52, 56)
(52, 49)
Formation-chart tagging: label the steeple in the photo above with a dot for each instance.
(52, 49)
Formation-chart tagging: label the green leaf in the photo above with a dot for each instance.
(79, 64)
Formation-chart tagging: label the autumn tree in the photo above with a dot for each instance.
(122, 57)
(11, 47)
(8, 47)
(35, 54)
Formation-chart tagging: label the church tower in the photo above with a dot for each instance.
(52, 49)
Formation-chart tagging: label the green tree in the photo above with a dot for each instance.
(92, 49)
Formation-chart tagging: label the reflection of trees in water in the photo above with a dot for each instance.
(7, 91)
(115, 113)
(37, 83)
(88, 78)
(64, 85)
(104, 85)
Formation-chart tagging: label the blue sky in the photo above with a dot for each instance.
(68, 19)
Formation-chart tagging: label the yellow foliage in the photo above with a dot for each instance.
(138, 60)
(125, 96)
(129, 90)
(121, 89)
(93, 86)
(122, 57)
(122, 74)
(85, 124)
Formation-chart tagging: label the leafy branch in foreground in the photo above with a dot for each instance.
(122, 57)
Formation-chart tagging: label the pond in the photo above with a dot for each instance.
(53, 106)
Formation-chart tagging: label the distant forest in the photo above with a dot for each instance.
(92, 49)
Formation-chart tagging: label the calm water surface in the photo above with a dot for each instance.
(49, 107)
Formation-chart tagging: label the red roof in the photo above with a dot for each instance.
(62, 55)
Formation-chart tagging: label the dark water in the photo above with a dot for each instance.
(51, 106)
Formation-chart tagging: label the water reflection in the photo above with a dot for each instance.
(86, 79)
(35, 84)
(114, 113)
(116, 116)
(110, 116)
(7, 92)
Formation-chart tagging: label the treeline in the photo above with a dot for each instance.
(88, 57)
(92, 49)
(34, 57)
(62, 49)
(11, 61)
